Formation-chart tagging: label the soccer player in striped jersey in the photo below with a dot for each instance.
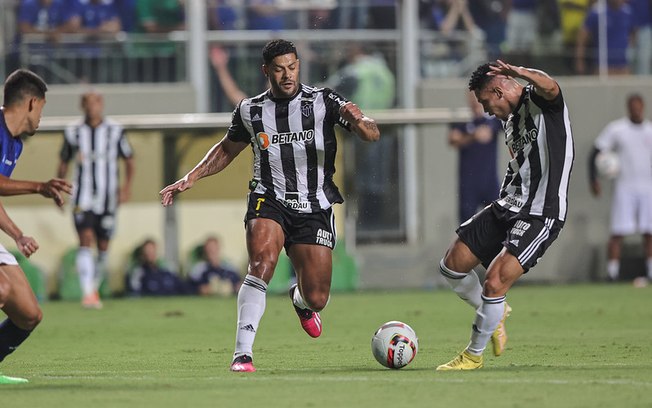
(96, 144)
(510, 235)
(290, 128)
(24, 98)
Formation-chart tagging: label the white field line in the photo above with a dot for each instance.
(436, 378)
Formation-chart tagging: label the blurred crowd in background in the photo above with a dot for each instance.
(121, 41)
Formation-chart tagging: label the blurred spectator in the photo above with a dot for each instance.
(212, 276)
(620, 25)
(477, 172)
(642, 12)
(158, 58)
(149, 277)
(521, 30)
(381, 14)
(220, 61)
(127, 12)
(490, 16)
(160, 16)
(49, 17)
(99, 17)
(365, 78)
(223, 15)
(572, 14)
(447, 16)
(264, 15)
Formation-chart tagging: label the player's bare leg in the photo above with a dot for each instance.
(313, 266)
(22, 310)
(265, 240)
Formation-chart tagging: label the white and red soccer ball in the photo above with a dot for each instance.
(394, 344)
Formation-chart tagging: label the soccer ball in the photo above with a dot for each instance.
(608, 164)
(394, 344)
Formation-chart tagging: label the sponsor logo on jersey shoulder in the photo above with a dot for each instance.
(337, 99)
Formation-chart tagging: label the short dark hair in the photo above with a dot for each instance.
(275, 48)
(479, 78)
(22, 83)
(635, 97)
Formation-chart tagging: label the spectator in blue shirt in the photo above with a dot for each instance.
(642, 13)
(620, 26)
(150, 277)
(477, 172)
(49, 17)
(212, 276)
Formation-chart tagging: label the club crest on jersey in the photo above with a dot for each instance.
(306, 110)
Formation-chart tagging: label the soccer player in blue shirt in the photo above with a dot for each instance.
(24, 98)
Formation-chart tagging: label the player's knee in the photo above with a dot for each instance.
(494, 286)
(316, 300)
(5, 289)
(30, 319)
(263, 267)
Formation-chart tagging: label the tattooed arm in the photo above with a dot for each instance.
(544, 85)
(365, 127)
(216, 160)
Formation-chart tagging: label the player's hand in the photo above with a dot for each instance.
(55, 189)
(596, 189)
(124, 195)
(26, 245)
(168, 193)
(351, 112)
(502, 68)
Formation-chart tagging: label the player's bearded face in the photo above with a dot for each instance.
(283, 75)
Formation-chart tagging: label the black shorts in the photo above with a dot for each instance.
(102, 224)
(525, 236)
(299, 228)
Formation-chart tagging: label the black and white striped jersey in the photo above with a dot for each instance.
(294, 145)
(538, 135)
(96, 152)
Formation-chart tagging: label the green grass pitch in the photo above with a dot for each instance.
(569, 346)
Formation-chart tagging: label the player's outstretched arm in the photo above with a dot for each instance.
(543, 83)
(365, 127)
(54, 188)
(216, 160)
(26, 245)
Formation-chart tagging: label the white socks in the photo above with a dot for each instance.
(298, 300)
(100, 268)
(251, 306)
(466, 285)
(487, 318)
(613, 268)
(86, 270)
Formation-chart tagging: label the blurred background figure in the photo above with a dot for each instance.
(642, 13)
(149, 277)
(631, 207)
(213, 276)
(220, 62)
(572, 14)
(620, 27)
(477, 173)
(96, 144)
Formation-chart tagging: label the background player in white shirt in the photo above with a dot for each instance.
(631, 209)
